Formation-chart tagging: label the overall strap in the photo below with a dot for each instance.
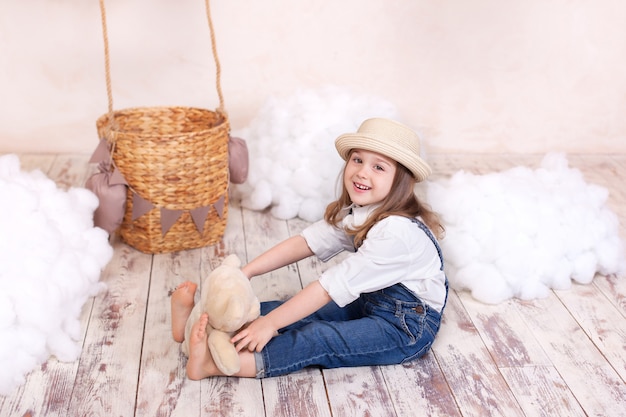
(432, 238)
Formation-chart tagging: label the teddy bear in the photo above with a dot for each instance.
(228, 299)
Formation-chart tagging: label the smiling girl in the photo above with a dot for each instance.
(382, 304)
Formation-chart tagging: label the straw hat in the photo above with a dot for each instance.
(388, 138)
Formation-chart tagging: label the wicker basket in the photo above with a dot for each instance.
(174, 158)
(177, 159)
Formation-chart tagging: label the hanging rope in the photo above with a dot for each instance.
(107, 66)
(107, 72)
(106, 55)
(218, 68)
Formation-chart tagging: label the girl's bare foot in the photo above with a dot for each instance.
(182, 304)
(200, 363)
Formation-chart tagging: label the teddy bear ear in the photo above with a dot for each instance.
(232, 260)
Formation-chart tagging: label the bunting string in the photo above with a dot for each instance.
(141, 206)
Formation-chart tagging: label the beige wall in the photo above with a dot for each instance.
(473, 75)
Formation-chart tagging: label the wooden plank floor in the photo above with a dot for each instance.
(564, 355)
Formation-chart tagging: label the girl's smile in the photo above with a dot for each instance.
(362, 187)
(368, 176)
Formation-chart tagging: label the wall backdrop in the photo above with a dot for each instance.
(473, 76)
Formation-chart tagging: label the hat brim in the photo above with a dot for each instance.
(414, 163)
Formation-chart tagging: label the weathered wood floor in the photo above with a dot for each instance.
(564, 355)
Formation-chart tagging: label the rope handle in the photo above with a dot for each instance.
(107, 66)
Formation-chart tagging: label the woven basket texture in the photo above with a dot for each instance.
(177, 159)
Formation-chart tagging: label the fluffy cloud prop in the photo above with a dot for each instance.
(51, 257)
(293, 162)
(520, 232)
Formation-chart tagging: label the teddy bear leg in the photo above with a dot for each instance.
(223, 351)
(181, 306)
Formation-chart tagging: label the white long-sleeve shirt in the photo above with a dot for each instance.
(395, 251)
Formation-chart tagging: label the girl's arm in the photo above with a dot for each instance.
(259, 332)
(288, 251)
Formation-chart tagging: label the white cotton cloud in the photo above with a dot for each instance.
(520, 232)
(51, 257)
(293, 162)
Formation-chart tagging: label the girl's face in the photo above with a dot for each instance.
(368, 176)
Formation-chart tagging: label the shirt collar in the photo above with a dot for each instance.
(357, 215)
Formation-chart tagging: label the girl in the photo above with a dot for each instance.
(381, 305)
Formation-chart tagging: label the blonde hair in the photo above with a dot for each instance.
(401, 201)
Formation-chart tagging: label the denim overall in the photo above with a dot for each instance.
(384, 327)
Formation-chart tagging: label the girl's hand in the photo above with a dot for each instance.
(256, 335)
(261, 331)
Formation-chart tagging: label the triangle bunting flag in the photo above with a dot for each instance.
(140, 206)
(199, 216)
(168, 218)
(219, 206)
